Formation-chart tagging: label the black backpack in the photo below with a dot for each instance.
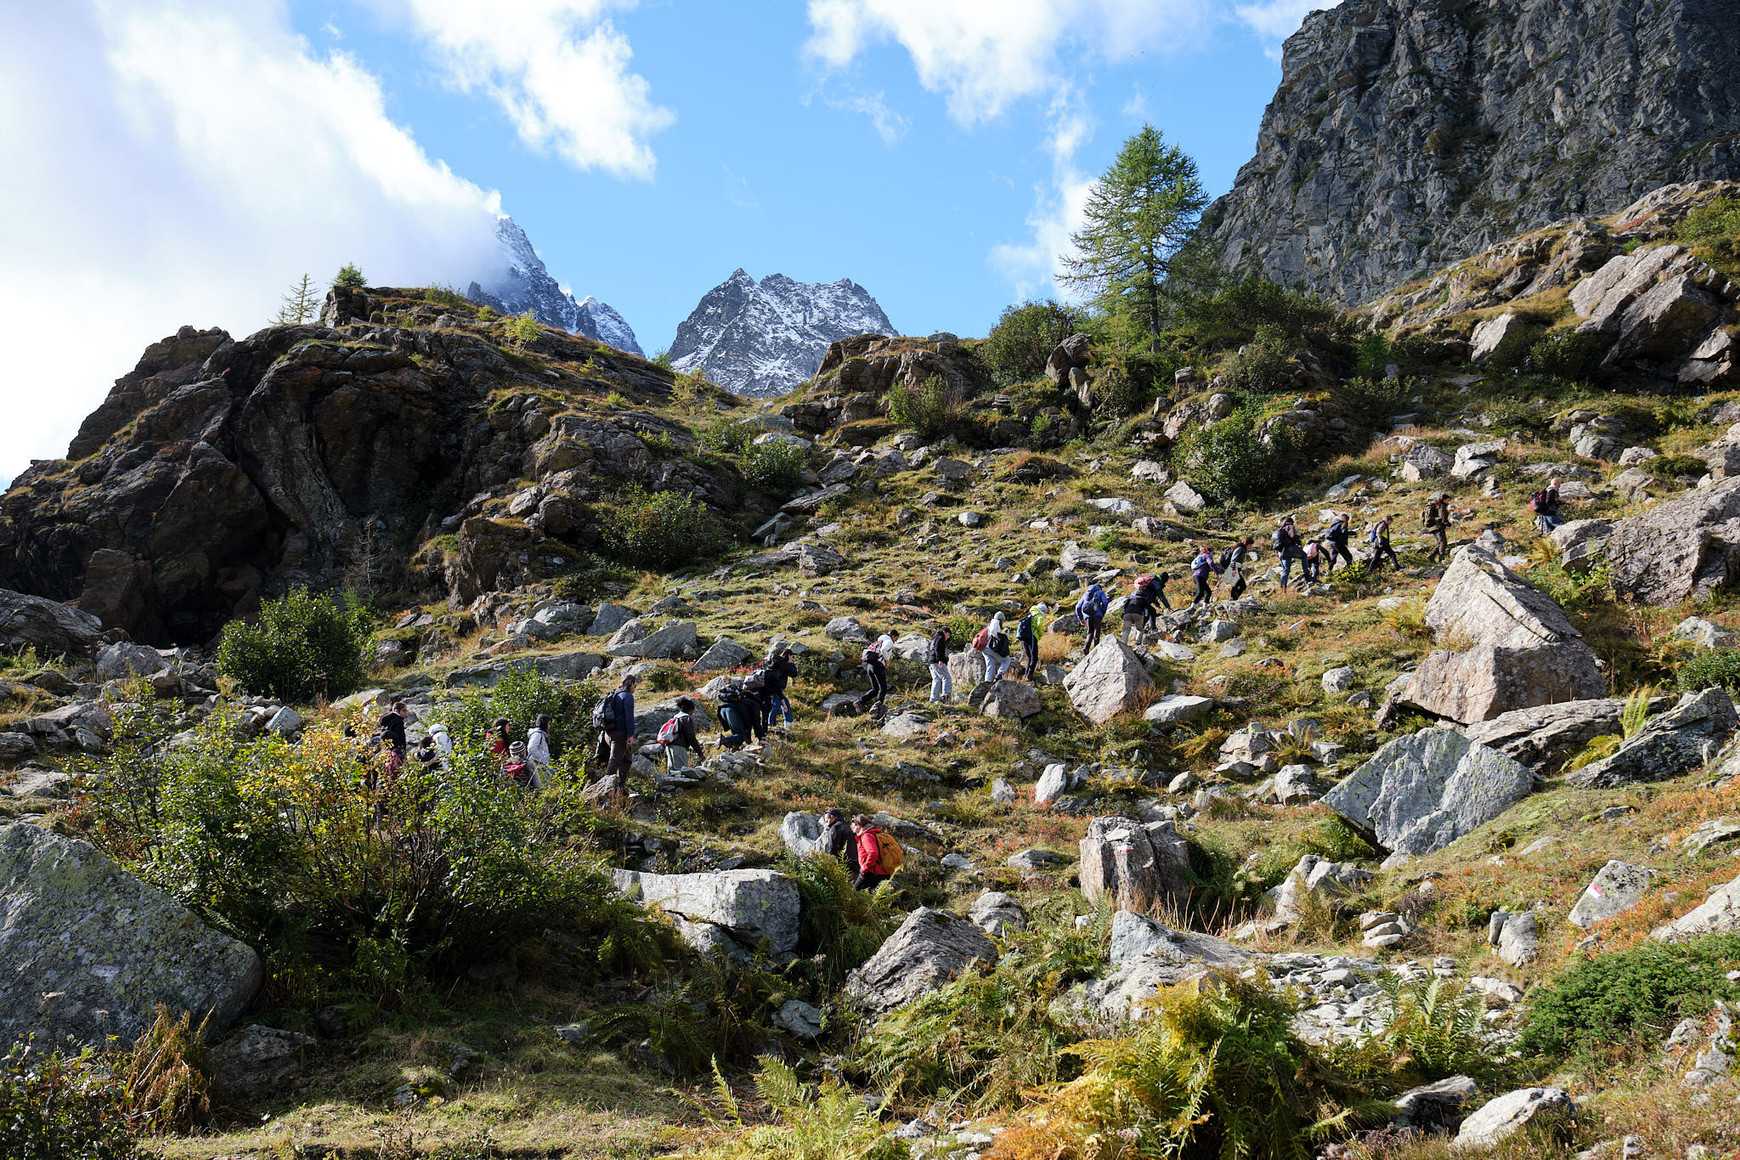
(1538, 501)
(604, 713)
(756, 681)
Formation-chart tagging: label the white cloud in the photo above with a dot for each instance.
(890, 125)
(182, 161)
(1275, 20)
(983, 55)
(1032, 266)
(558, 68)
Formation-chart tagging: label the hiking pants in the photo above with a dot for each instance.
(1338, 551)
(1383, 549)
(735, 719)
(1238, 588)
(1440, 538)
(676, 758)
(775, 706)
(878, 680)
(996, 665)
(618, 745)
(942, 683)
(1288, 555)
(869, 881)
(1031, 649)
(1204, 590)
(1093, 630)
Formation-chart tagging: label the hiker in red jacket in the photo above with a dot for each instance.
(870, 871)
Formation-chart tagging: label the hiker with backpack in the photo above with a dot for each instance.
(1091, 608)
(875, 661)
(515, 769)
(1379, 538)
(879, 855)
(1313, 561)
(1336, 538)
(1028, 630)
(743, 713)
(1148, 591)
(538, 756)
(839, 840)
(613, 717)
(997, 660)
(498, 737)
(678, 737)
(392, 733)
(1288, 548)
(1545, 504)
(1437, 523)
(942, 684)
(1203, 569)
(779, 669)
(1233, 564)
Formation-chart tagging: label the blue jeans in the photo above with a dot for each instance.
(775, 707)
(732, 718)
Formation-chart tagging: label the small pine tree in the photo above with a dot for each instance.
(523, 329)
(349, 275)
(301, 305)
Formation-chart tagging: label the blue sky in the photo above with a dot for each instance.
(181, 161)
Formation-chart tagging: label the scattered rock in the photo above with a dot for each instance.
(1107, 681)
(1007, 700)
(1148, 956)
(1668, 745)
(1418, 794)
(930, 948)
(729, 910)
(1178, 709)
(1338, 680)
(1515, 935)
(1703, 633)
(1718, 914)
(1136, 866)
(1616, 888)
(256, 1058)
(1510, 1113)
(799, 1018)
(1542, 737)
(722, 654)
(995, 912)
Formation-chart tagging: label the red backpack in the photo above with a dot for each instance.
(982, 638)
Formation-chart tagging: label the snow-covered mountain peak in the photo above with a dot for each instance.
(524, 284)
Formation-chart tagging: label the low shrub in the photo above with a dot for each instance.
(773, 466)
(1262, 367)
(446, 296)
(1255, 302)
(58, 1107)
(1630, 995)
(930, 410)
(661, 530)
(522, 696)
(1371, 354)
(1024, 337)
(166, 1078)
(826, 1122)
(1566, 354)
(349, 274)
(300, 646)
(1711, 667)
(1674, 466)
(1228, 461)
(842, 925)
(698, 1015)
(1715, 221)
(587, 578)
(728, 437)
(1432, 1029)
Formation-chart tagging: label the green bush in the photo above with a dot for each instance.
(661, 529)
(1119, 391)
(840, 926)
(1674, 466)
(1240, 310)
(588, 577)
(1709, 667)
(1262, 366)
(1432, 1028)
(728, 437)
(301, 646)
(1227, 461)
(523, 329)
(1372, 354)
(773, 466)
(57, 1107)
(1565, 354)
(827, 1122)
(1636, 994)
(349, 275)
(1373, 399)
(1715, 221)
(445, 296)
(1024, 337)
(521, 696)
(931, 410)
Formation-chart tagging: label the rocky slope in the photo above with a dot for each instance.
(526, 285)
(1406, 134)
(764, 338)
(401, 443)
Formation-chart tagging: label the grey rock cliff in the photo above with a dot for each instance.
(1406, 134)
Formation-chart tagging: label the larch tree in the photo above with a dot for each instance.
(1139, 215)
(301, 305)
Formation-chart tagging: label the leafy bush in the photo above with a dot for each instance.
(697, 1017)
(1025, 336)
(445, 296)
(300, 647)
(1262, 366)
(728, 437)
(661, 529)
(1717, 220)
(1674, 466)
(930, 410)
(521, 696)
(349, 275)
(1241, 309)
(1632, 994)
(1565, 354)
(773, 466)
(829, 1122)
(1708, 667)
(56, 1107)
(1215, 1069)
(1372, 354)
(588, 576)
(285, 845)
(1227, 461)
(843, 925)
(523, 329)
(1117, 390)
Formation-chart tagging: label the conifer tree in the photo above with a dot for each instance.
(300, 306)
(1138, 217)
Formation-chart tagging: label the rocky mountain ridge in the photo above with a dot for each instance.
(525, 285)
(764, 338)
(1407, 134)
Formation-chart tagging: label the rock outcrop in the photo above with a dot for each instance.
(1679, 548)
(1406, 134)
(729, 911)
(48, 626)
(1418, 794)
(1108, 681)
(1717, 914)
(1513, 646)
(1668, 745)
(87, 950)
(930, 948)
(1134, 866)
(1148, 955)
(218, 472)
(1542, 737)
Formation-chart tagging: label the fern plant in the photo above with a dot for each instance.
(165, 1080)
(1432, 1028)
(827, 1122)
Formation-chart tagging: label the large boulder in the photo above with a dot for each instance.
(1616, 888)
(1515, 647)
(1542, 737)
(1134, 866)
(995, 912)
(722, 654)
(1719, 913)
(1668, 745)
(1510, 1113)
(48, 626)
(802, 834)
(1148, 955)
(731, 911)
(1108, 681)
(930, 948)
(1665, 322)
(1177, 709)
(1005, 699)
(670, 641)
(1678, 548)
(124, 660)
(1420, 793)
(87, 950)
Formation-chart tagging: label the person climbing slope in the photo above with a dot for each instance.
(1091, 608)
(942, 684)
(1028, 630)
(538, 757)
(1203, 570)
(997, 660)
(678, 737)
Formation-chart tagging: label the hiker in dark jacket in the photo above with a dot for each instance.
(1438, 525)
(876, 668)
(839, 840)
(942, 683)
(393, 735)
(1336, 538)
(1288, 547)
(1546, 507)
(1028, 630)
(780, 669)
(616, 739)
(1380, 539)
(682, 739)
(1091, 608)
(1203, 569)
(1236, 558)
(1140, 603)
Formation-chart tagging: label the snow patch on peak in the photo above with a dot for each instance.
(524, 284)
